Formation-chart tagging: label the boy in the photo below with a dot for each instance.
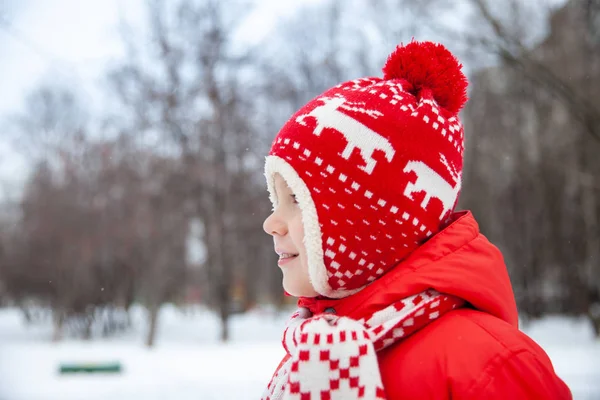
(400, 297)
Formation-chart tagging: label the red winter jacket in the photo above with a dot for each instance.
(471, 353)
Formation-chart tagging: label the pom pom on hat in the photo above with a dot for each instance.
(428, 65)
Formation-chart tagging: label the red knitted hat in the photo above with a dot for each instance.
(375, 165)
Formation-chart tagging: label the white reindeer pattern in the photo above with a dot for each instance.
(433, 184)
(356, 134)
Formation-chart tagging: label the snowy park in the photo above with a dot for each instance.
(138, 232)
(189, 362)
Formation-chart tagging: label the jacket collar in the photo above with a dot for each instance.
(458, 260)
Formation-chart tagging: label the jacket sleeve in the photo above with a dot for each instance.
(522, 375)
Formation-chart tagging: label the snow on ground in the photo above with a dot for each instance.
(190, 363)
(573, 351)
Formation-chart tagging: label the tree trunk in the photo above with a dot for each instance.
(594, 317)
(152, 325)
(593, 311)
(596, 325)
(26, 315)
(87, 330)
(58, 321)
(224, 325)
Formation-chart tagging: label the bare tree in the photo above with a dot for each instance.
(534, 179)
(194, 100)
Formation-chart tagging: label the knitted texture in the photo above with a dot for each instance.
(376, 166)
(335, 357)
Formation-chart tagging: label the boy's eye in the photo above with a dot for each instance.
(294, 198)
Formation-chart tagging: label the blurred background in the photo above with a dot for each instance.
(132, 140)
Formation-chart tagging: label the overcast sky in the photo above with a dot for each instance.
(72, 41)
(66, 40)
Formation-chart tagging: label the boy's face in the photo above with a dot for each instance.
(285, 225)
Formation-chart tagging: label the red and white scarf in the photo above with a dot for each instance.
(335, 357)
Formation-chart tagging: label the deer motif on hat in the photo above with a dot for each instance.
(430, 182)
(356, 134)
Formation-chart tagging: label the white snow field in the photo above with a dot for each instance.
(188, 361)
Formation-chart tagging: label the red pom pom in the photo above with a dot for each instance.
(428, 65)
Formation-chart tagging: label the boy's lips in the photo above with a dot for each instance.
(283, 253)
(284, 260)
(285, 256)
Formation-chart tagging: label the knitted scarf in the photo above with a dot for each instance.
(334, 357)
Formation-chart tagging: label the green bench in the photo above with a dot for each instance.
(104, 367)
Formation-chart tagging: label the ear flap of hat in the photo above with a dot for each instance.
(312, 231)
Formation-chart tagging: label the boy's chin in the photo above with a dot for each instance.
(299, 290)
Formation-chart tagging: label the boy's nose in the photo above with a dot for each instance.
(274, 225)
